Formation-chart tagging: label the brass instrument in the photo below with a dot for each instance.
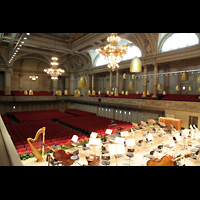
(30, 141)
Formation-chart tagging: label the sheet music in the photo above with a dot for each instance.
(94, 141)
(149, 136)
(130, 142)
(119, 140)
(116, 149)
(108, 131)
(124, 133)
(93, 135)
(74, 138)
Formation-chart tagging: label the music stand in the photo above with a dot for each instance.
(75, 156)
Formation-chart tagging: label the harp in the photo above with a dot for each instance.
(30, 141)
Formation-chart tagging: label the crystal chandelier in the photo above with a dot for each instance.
(54, 71)
(111, 52)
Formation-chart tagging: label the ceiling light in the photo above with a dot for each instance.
(111, 52)
(135, 65)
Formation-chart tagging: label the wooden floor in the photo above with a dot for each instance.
(138, 159)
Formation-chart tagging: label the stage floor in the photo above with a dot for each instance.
(138, 159)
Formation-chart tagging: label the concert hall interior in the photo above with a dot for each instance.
(99, 99)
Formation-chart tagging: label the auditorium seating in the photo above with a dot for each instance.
(40, 93)
(55, 132)
(182, 97)
(129, 96)
(5, 119)
(97, 124)
(38, 115)
(76, 112)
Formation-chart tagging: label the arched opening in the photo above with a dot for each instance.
(179, 40)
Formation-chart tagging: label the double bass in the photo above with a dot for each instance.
(60, 155)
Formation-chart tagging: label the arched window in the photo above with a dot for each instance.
(132, 52)
(179, 40)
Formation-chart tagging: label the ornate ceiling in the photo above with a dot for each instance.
(69, 47)
(73, 43)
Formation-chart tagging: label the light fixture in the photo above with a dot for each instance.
(190, 88)
(124, 76)
(164, 93)
(82, 83)
(131, 85)
(54, 71)
(76, 93)
(148, 93)
(178, 88)
(133, 76)
(198, 79)
(159, 87)
(89, 93)
(30, 92)
(25, 92)
(111, 52)
(65, 92)
(135, 65)
(33, 77)
(185, 76)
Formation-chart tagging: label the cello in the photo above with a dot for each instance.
(60, 155)
(166, 160)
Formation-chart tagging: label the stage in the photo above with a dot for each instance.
(140, 152)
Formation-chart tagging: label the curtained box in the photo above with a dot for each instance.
(174, 122)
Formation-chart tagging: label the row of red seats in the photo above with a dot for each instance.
(55, 132)
(78, 112)
(97, 95)
(94, 123)
(181, 97)
(40, 93)
(5, 119)
(38, 115)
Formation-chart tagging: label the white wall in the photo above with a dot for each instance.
(120, 114)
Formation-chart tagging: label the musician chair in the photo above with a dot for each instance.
(105, 160)
(52, 161)
(130, 155)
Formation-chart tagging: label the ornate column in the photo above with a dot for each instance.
(117, 80)
(92, 83)
(37, 85)
(8, 74)
(20, 82)
(67, 83)
(55, 86)
(145, 81)
(72, 79)
(110, 82)
(166, 81)
(155, 83)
